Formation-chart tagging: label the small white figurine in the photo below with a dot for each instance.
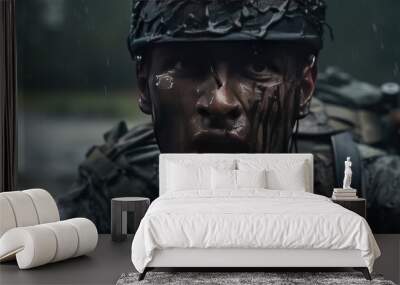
(347, 174)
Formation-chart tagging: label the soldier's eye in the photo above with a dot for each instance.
(179, 65)
(259, 68)
(264, 72)
(185, 63)
(189, 67)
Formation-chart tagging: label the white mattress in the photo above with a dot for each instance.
(251, 219)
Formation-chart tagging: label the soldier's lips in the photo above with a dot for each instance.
(219, 141)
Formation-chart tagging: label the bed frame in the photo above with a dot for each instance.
(250, 259)
(247, 259)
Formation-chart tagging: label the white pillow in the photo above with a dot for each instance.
(293, 179)
(223, 179)
(199, 161)
(237, 179)
(251, 178)
(181, 178)
(287, 174)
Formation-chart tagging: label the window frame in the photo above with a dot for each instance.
(8, 96)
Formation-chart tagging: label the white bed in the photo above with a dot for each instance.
(249, 227)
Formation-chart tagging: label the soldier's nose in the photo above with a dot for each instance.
(221, 103)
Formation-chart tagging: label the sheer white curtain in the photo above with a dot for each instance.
(8, 148)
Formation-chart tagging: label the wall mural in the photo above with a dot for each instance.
(210, 78)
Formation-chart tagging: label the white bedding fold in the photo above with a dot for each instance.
(250, 219)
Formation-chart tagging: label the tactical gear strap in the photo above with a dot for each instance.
(344, 146)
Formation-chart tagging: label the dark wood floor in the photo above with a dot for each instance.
(389, 262)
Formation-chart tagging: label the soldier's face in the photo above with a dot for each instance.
(222, 98)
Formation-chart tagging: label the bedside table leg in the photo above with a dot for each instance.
(364, 271)
(142, 275)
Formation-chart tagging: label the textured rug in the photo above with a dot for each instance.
(244, 278)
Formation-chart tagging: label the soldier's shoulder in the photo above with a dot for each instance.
(120, 140)
(123, 151)
(121, 135)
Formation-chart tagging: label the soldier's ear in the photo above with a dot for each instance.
(307, 87)
(144, 99)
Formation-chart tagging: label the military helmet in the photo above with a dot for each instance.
(161, 21)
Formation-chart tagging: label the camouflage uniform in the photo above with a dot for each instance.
(344, 104)
(125, 165)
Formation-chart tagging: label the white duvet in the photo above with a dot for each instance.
(250, 219)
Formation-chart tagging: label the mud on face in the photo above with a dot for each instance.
(214, 98)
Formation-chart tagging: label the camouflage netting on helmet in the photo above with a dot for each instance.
(226, 20)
